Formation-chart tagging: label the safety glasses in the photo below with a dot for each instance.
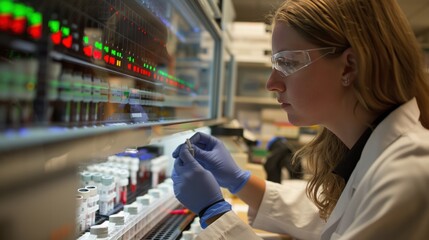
(289, 62)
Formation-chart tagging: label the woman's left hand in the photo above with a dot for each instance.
(194, 187)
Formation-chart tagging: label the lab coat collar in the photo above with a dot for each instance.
(346, 166)
(392, 127)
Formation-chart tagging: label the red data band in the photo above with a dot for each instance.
(180, 211)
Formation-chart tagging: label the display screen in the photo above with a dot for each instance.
(102, 62)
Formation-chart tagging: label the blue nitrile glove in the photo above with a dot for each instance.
(213, 156)
(196, 188)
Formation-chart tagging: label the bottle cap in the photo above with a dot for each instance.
(118, 219)
(107, 180)
(92, 190)
(131, 209)
(156, 193)
(96, 177)
(187, 235)
(84, 193)
(85, 176)
(145, 200)
(101, 231)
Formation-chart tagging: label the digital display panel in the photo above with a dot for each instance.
(101, 62)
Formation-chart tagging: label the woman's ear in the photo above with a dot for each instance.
(350, 67)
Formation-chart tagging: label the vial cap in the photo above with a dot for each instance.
(101, 231)
(145, 200)
(123, 173)
(155, 193)
(118, 219)
(164, 187)
(83, 192)
(85, 176)
(187, 235)
(107, 180)
(92, 190)
(96, 177)
(131, 209)
(168, 181)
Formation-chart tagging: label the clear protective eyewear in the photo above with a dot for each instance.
(289, 62)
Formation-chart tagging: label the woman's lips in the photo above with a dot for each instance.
(283, 103)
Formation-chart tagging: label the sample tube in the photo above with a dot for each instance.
(107, 195)
(92, 202)
(85, 209)
(134, 167)
(122, 175)
(190, 148)
(80, 215)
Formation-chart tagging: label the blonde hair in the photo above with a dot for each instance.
(390, 72)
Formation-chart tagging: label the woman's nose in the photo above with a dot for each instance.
(275, 82)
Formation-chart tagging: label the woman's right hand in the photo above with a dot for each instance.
(213, 156)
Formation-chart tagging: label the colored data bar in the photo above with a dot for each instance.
(20, 19)
(171, 78)
(114, 57)
(34, 28)
(6, 8)
(60, 34)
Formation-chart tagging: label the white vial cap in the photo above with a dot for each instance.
(107, 180)
(92, 190)
(84, 193)
(119, 159)
(91, 168)
(187, 235)
(126, 160)
(168, 181)
(145, 200)
(164, 187)
(101, 231)
(156, 193)
(132, 209)
(85, 176)
(118, 219)
(123, 173)
(96, 177)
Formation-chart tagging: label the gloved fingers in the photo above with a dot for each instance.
(176, 152)
(186, 155)
(202, 157)
(176, 179)
(203, 141)
(198, 152)
(198, 139)
(178, 165)
(185, 162)
(173, 173)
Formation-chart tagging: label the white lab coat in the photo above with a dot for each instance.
(386, 197)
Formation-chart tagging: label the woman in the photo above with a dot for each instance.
(355, 68)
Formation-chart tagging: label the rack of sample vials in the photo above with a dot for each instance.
(137, 218)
